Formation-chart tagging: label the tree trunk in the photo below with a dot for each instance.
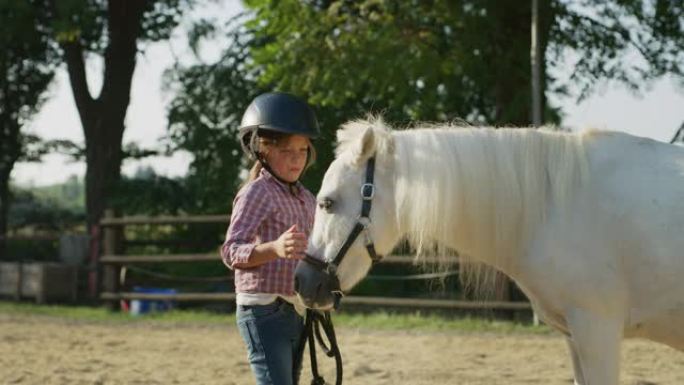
(103, 117)
(103, 159)
(9, 153)
(511, 61)
(4, 208)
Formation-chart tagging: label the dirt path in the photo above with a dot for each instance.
(41, 350)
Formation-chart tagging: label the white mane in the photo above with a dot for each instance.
(466, 188)
(352, 132)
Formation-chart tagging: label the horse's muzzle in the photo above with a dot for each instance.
(316, 284)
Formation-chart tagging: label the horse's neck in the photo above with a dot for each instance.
(480, 192)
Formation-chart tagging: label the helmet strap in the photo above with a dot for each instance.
(292, 186)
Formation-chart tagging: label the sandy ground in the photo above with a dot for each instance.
(41, 350)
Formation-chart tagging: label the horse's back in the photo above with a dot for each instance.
(640, 183)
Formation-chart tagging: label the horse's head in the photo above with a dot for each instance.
(355, 219)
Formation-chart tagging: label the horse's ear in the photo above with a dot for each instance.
(362, 139)
(367, 147)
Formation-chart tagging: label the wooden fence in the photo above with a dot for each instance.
(112, 261)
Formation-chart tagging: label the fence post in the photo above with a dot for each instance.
(110, 246)
(20, 280)
(94, 274)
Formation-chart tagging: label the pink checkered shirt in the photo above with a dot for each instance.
(262, 210)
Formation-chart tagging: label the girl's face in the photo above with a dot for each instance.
(288, 158)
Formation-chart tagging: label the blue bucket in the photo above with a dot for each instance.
(144, 306)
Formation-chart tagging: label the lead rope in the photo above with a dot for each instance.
(312, 332)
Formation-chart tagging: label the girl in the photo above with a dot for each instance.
(269, 227)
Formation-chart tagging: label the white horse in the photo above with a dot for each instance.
(590, 226)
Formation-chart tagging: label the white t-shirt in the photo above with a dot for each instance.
(249, 299)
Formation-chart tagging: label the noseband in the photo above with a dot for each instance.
(362, 225)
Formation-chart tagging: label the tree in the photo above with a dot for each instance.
(630, 41)
(27, 60)
(112, 29)
(464, 58)
(413, 60)
(436, 60)
(205, 113)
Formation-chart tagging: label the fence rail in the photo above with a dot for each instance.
(160, 258)
(350, 300)
(112, 262)
(109, 221)
(168, 297)
(33, 237)
(134, 259)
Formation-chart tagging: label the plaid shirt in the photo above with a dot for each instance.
(263, 210)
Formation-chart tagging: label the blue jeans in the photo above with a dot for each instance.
(272, 334)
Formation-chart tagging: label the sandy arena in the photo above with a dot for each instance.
(43, 350)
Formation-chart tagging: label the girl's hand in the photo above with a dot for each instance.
(291, 244)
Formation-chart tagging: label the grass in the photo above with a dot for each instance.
(381, 320)
(101, 314)
(432, 323)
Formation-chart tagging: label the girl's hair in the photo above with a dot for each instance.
(265, 140)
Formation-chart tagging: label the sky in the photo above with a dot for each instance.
(656, 113)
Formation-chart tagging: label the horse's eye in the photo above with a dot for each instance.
(325, 204)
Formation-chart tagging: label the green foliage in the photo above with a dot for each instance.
(630, 41)
(418, 321)
(32, 250)
(27, 59)
(80, 20)
(203, 119)
(43, 211)
(438, 60)
(27, 62)
(412, 60)
(85, 21)
(47, 209)
(150, 194)
(415, 322)
(69, 195)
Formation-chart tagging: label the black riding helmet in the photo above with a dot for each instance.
(277, 112)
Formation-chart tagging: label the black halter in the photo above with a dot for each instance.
(362, 225)
(314, 319)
